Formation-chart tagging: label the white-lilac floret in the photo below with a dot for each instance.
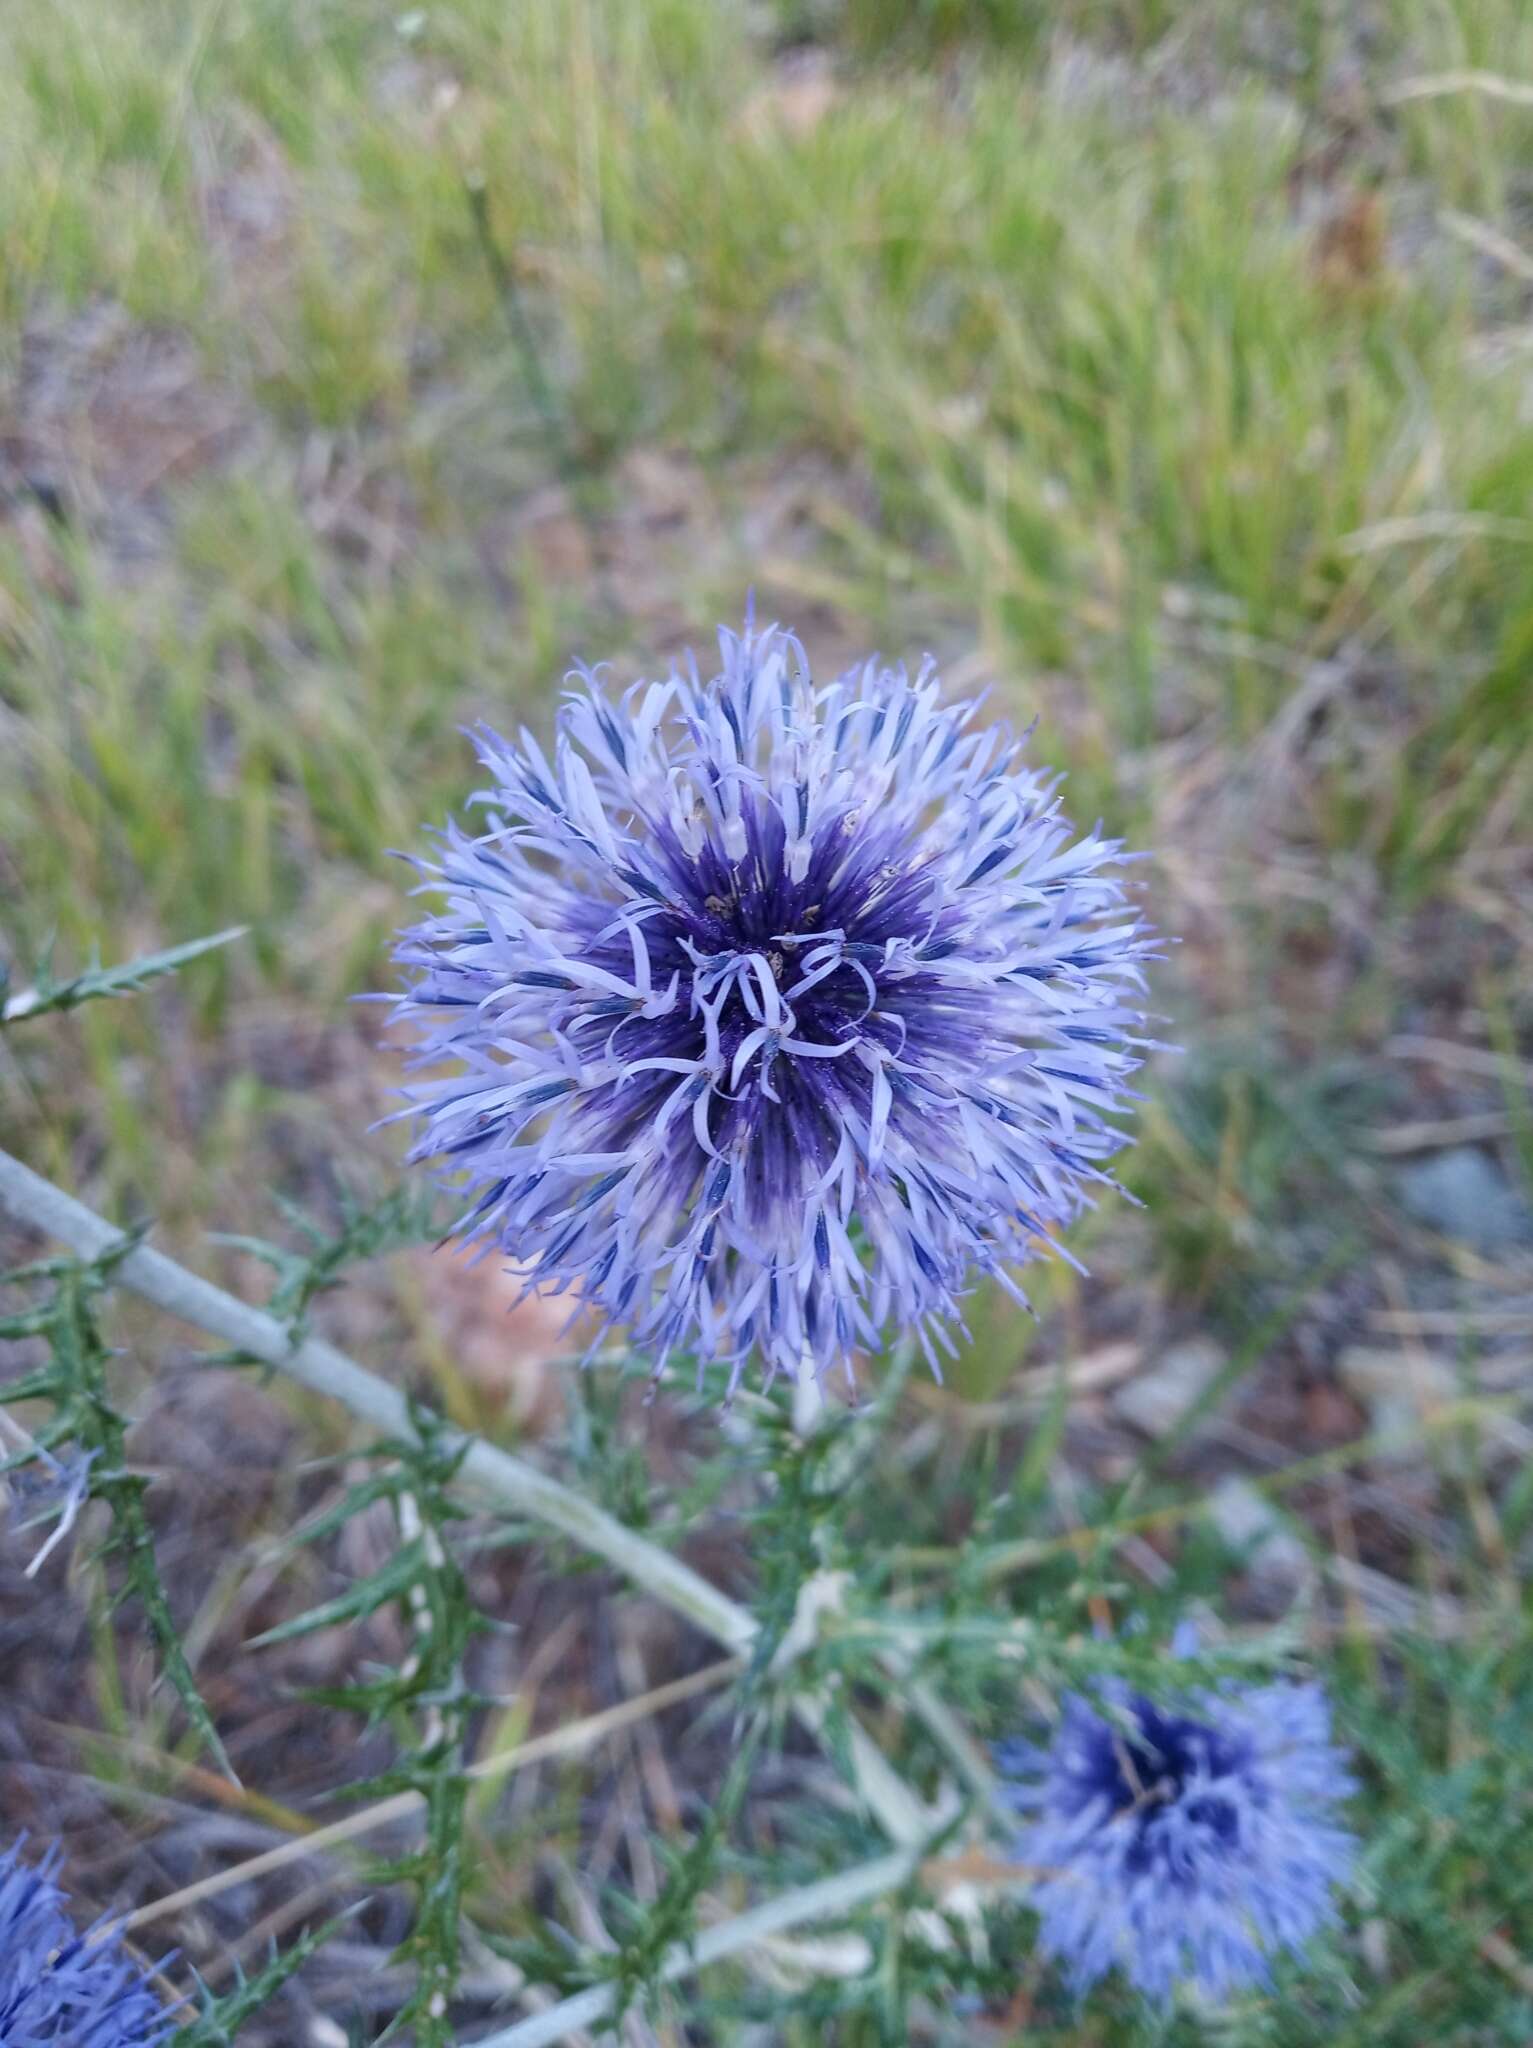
(766, 1014)
(45, 1489)
(60, 1988)
(1183, 1843)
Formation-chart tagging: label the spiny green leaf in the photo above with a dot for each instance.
(127, 977)
(221, 2017)
(392, 1581)
(75, 1381)
(405, 1216)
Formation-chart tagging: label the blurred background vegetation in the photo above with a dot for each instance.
(1166, 369)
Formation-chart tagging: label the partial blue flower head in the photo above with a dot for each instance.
(1183, 1843)
(60, 1988)
(43, 1489)
(767, 1014)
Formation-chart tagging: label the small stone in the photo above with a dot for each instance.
(1157, 1398)
(1463, 1194)
(1275, 1558)
(1401, 1389)
(1396, 1388)
(1375, 1374)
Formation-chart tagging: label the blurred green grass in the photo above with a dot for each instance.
(1162, 362)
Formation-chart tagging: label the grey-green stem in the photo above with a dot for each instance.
(813, 1902)
(509, 1481)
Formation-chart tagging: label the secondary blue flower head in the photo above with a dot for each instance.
(1183, 1843)
(59, 1988)
(767, 1012)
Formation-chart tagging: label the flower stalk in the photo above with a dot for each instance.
(510, 1482)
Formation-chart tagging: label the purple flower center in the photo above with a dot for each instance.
(1156, 1765)
(783, 964)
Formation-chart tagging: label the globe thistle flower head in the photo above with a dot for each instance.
(60, 1988)
(766, 1014)
(1183, 1843)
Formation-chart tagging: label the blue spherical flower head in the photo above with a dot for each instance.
(767, 1013)
(58, 1986)
(1183, 1843)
